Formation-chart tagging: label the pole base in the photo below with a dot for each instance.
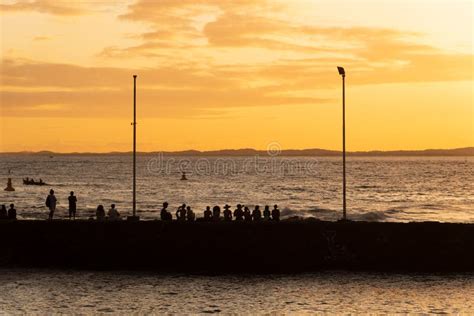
(344, 220)
(133, 218)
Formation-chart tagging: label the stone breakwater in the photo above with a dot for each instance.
(289, 246)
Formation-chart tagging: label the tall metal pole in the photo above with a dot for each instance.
(134, 144)
(344, 147)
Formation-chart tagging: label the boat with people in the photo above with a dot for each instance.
(32, 181)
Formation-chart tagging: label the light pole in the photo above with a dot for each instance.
(342, 72)
(134, 146)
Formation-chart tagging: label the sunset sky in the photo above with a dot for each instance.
(216, 74)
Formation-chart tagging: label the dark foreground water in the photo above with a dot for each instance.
(379, 189)
(46, 291)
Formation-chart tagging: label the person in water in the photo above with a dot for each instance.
(247, 214)
(113, 214)
(3, 212)
(266, 213)
(276, 213)
(100, 213)
(51, 204)
(239, 213)
(216, 213)
(12, 212)
(72, 205)
(165, 214)
(256, 214)
(181, 213)
(190, 214)
(227, 213)
(208, 214)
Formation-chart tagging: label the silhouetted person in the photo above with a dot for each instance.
(266, 213)
(276, 213)
(181, 213)
(165, 215)
(3, 212)
(12, 212)
(247, 214)
(190, 216)
(239, 213)
(72, 205)
(227, 213)
(113, 214)
(100, 213)
(40, 181)
(256, 214)
(216, 213)
(51, 204)
(208, 214)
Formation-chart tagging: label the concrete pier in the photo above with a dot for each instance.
(237, 247)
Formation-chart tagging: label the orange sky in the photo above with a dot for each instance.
(217, 74)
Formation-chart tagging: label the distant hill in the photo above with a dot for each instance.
(467, 151)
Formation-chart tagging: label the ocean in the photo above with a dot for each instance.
(92, 292)
(398, 189)
(379, 189)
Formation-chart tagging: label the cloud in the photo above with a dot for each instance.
(218, 54)
(42, 89)
(43, 6)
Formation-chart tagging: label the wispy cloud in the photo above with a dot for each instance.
(43, 6)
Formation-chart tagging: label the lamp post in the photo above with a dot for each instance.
(134, 146)
(342, 72)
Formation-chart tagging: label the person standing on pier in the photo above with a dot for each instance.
(51, 204)
(266, 213)
(181, 213)
(165, 214)
(256, 214)
(3, 212)
(247, 214)
(227, 213)
(72, 205)
(276, 213)
(208, 214)
(190, 216)
(239, 213)
(12, 212)
(216, 213)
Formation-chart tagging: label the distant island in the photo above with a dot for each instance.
(315, 152)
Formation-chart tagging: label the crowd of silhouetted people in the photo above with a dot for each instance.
(240, 213)
(183, 213)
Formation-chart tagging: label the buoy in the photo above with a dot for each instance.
(183, 177)
(9, 185)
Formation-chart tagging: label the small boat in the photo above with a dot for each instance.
(33, 182)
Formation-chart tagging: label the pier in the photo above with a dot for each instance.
(289, 246)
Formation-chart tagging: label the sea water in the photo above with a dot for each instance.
(378, 189)
(87, 292)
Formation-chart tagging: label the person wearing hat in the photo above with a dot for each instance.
(227, 213)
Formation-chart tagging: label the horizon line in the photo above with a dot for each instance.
(280, 151)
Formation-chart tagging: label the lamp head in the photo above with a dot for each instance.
(341, 71)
